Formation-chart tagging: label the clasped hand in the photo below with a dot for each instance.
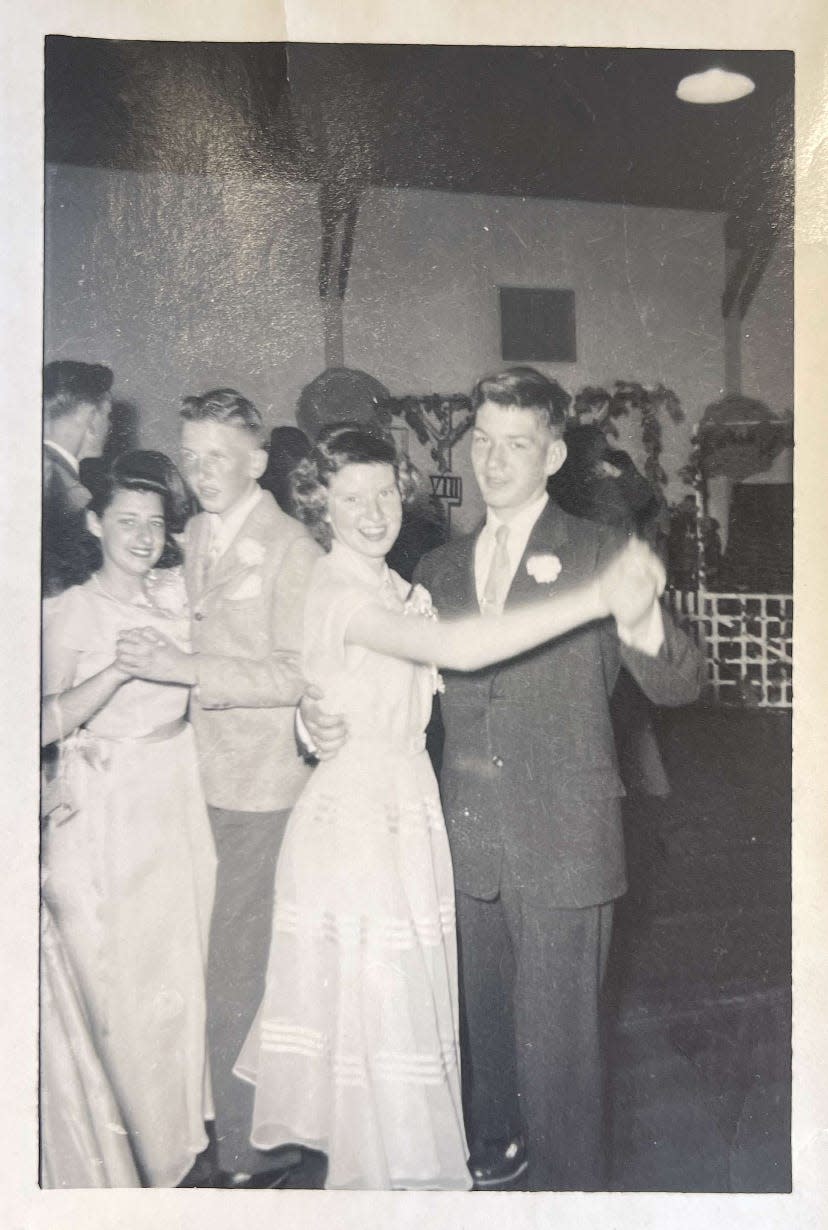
(631, 583)
(328, 731)
(146, 653)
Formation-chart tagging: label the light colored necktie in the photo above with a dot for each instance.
(211, 556)
(500, 575)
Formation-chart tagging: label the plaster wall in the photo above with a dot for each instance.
(183, 284)
(422, 307)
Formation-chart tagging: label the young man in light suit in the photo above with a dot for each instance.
(530, 791)
(247, 567)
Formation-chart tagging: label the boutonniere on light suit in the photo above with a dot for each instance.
(250, 552)
(544, 568)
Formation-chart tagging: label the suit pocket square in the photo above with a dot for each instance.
(250, 587)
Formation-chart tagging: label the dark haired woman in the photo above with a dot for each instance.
(355, 1049)
(128, 858)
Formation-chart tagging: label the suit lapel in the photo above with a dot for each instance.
(195, 547)
(77, 496)
(230, 563)
(457, 587)
(60, 461)
(549, 536)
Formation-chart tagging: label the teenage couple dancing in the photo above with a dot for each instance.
(355, 1048)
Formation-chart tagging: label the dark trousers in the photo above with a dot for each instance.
(247, 846)
(531, 980)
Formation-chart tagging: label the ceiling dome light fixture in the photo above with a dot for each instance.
(714, 85)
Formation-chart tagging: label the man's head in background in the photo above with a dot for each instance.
(76, 404)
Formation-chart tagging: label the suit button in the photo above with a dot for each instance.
(497, 762)
(198, 615)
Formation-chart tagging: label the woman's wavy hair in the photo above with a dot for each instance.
(340, 445)
(147, 470)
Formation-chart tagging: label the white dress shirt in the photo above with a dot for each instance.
(520, 527)
(648, 639)
(223, 530)
(66, 455)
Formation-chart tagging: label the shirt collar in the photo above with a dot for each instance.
(65, 454)
(223, 530)
(522, 524)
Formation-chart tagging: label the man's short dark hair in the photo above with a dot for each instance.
(526, 389)
(68, 383)
(225, 406)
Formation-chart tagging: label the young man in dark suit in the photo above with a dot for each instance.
(76, 404)
(531, 795)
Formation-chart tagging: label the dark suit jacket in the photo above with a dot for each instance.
(67, 557)
(529, 777)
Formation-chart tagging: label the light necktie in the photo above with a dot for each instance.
(500, 575)
(211, 556)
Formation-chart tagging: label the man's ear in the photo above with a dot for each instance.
(555, 456)
(258, 463)
(93, 523)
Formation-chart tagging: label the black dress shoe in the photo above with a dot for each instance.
(495, 1165)
(285, 1163)
(203, 1174)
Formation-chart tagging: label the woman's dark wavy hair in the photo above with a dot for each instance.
(340, 445)
(147, 470)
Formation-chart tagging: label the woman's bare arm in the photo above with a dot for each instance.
(628, 588)
(65, 710)
(472, 642)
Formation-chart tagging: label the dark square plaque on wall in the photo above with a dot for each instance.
(537, 325)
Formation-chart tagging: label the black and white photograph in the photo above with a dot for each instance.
(417, 618)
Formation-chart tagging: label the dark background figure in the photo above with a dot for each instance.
(685, 552)
(288, 445)
(602, 483)
(339, 395)
(424, 527)
(121, 437)
(76, 405)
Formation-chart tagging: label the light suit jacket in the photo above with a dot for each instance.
(247, 619)
(529, 777)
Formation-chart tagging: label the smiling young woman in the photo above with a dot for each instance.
(355, 1050)
(128, 860)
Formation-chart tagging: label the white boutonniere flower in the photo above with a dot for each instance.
(544, 568)
(250, 552)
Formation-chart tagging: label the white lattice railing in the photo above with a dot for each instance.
(748, 643)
